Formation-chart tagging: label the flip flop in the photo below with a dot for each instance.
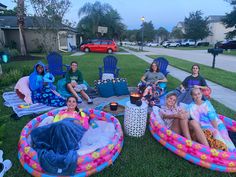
(1, 153)
(5, 166)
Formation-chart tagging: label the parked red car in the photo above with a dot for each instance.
(99, 45)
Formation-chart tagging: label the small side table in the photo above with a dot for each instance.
(135, 119)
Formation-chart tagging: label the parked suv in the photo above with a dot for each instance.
(228, 45)
(188, 42)
(99, 45)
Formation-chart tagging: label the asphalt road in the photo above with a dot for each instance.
(224, 62)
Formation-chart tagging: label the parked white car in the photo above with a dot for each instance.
(170, 44)
(152, 44)
(174, 44)
(188, 42)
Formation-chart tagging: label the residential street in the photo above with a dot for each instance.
(224, 62)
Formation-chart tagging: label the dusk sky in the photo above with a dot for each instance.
(166, 13)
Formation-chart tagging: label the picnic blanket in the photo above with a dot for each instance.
(20, 107)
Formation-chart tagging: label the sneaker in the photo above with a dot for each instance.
(90, 101)
(79, 100)
(4, 167)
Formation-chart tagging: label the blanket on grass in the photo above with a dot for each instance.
(20, 107)
(57, 145)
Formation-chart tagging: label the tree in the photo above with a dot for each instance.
(230, 20)
(98, 14)
(20, 21)
(162, 33)
(9, 12)
(177, 33)
(48, 18)
(196, 27)
(148, 31)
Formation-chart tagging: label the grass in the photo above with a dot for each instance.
(143, 157)
(219, 76)
(230, 52)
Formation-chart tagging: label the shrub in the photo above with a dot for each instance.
(13, 52)
(10, 77)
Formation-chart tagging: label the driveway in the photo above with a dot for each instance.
(224, 62)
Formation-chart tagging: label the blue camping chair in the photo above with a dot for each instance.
(163, 64)
(55, 65)
(109, 63)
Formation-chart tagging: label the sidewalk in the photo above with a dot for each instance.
(221, 94)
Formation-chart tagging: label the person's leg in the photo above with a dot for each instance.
(84, 95)
(72, 90)
(185, 128)
(198, 131)
(175, 126)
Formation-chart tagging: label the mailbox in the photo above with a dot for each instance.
(215, 51)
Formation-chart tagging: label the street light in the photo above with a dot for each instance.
(142, 19)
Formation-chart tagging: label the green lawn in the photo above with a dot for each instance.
(222, 77)
(143, 157)
(230, 52)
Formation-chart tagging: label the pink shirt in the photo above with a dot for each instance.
(168, 111)
(81, 116)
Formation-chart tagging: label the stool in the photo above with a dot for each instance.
(135, 119)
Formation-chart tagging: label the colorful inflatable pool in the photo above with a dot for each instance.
(194, 152)
(86, 164)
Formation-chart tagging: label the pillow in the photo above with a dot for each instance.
(104, 88)
(23, 90)
(106, 76)
(120, 86)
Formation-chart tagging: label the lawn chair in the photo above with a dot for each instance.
(73, 48)
(163, 64)
(55, 65)
(110, 63)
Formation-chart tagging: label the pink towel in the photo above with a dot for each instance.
(23, 86)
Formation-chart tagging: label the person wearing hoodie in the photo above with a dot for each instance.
(42, 89)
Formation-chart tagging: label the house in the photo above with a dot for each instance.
(60, 40)
(2, 8)
(217, 28)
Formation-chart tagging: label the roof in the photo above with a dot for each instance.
(215, 18)
(2, 5)
(10, 22)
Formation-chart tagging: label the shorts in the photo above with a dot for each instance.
(80, 87)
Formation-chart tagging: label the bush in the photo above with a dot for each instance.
(13, 52)
(10, 77)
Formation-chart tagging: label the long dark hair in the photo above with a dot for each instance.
(76, 108)
(158, 69)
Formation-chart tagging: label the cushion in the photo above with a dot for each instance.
(106, 76)
(23, 90)
(104, 88)
(120, 86)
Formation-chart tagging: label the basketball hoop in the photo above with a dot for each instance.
(102, 29)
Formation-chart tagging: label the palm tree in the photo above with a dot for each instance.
(95, 12)
(20, 21)
(98, 14)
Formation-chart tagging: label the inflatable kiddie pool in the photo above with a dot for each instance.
(86, 164)
(192, 151)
